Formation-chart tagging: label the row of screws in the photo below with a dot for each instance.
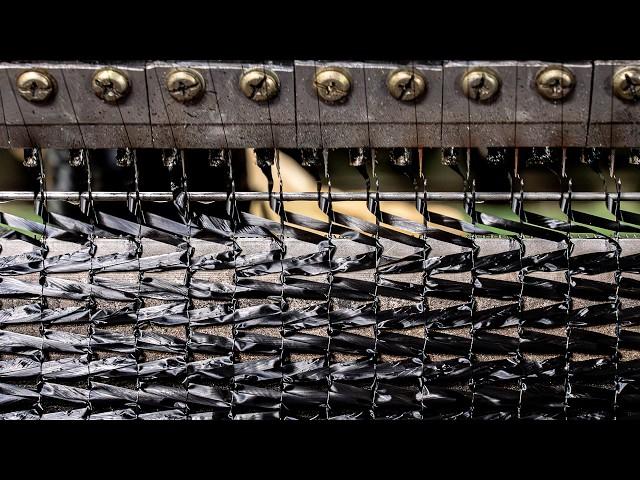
(332, 84)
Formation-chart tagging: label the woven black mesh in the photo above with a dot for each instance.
(190, 310)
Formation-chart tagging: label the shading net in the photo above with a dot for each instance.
(193, 310)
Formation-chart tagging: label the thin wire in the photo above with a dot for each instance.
(617, 277)
(618, 272)
(378, 251)
(42, 185)
(75, 115)
(425, 252)
(24, 122)
(146, 89)
(569, 301)
(166, 110)
(472, 301)
(327, 209)
(232, 211)
(425, 280)
(330, 250)
(138, 244)
(283, 252)
(188, 275)
(91, 303)
(521, 273)
(442, 146)
(415, 110)
(124, 125)
(6, 126)
(233, 215)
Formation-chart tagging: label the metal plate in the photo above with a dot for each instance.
(370, 116)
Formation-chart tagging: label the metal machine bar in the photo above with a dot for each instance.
(6, 196)
(215, 105)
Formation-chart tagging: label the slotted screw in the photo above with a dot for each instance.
(555, 82)
(626, 84)
(406, 85)
(332, 84)
(36, 85)
(185, 84)
(110, 84)
(259, 84)
(480, 84)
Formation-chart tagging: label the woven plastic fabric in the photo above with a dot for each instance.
(194, 311)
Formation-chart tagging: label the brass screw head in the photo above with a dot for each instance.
(555, 82)
(480, 84)
(36, 85)
(110, 84)
(185, 84)
(332, 84)
(626, 84)
(259, 84)
(406, 85)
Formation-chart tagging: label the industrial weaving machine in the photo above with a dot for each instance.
(320, 240)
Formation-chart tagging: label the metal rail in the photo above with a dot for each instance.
(313, 196)
(216, 112)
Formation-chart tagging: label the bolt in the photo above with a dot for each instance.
(110, 84)
(32, 157)
(626, 84)
(124, 157)
(555, 82)
(332, 84)
(634, 156)
(185, 84)
(480, 84)
(406, 85)
(259, 84)
(36, 85)
(77, 157)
